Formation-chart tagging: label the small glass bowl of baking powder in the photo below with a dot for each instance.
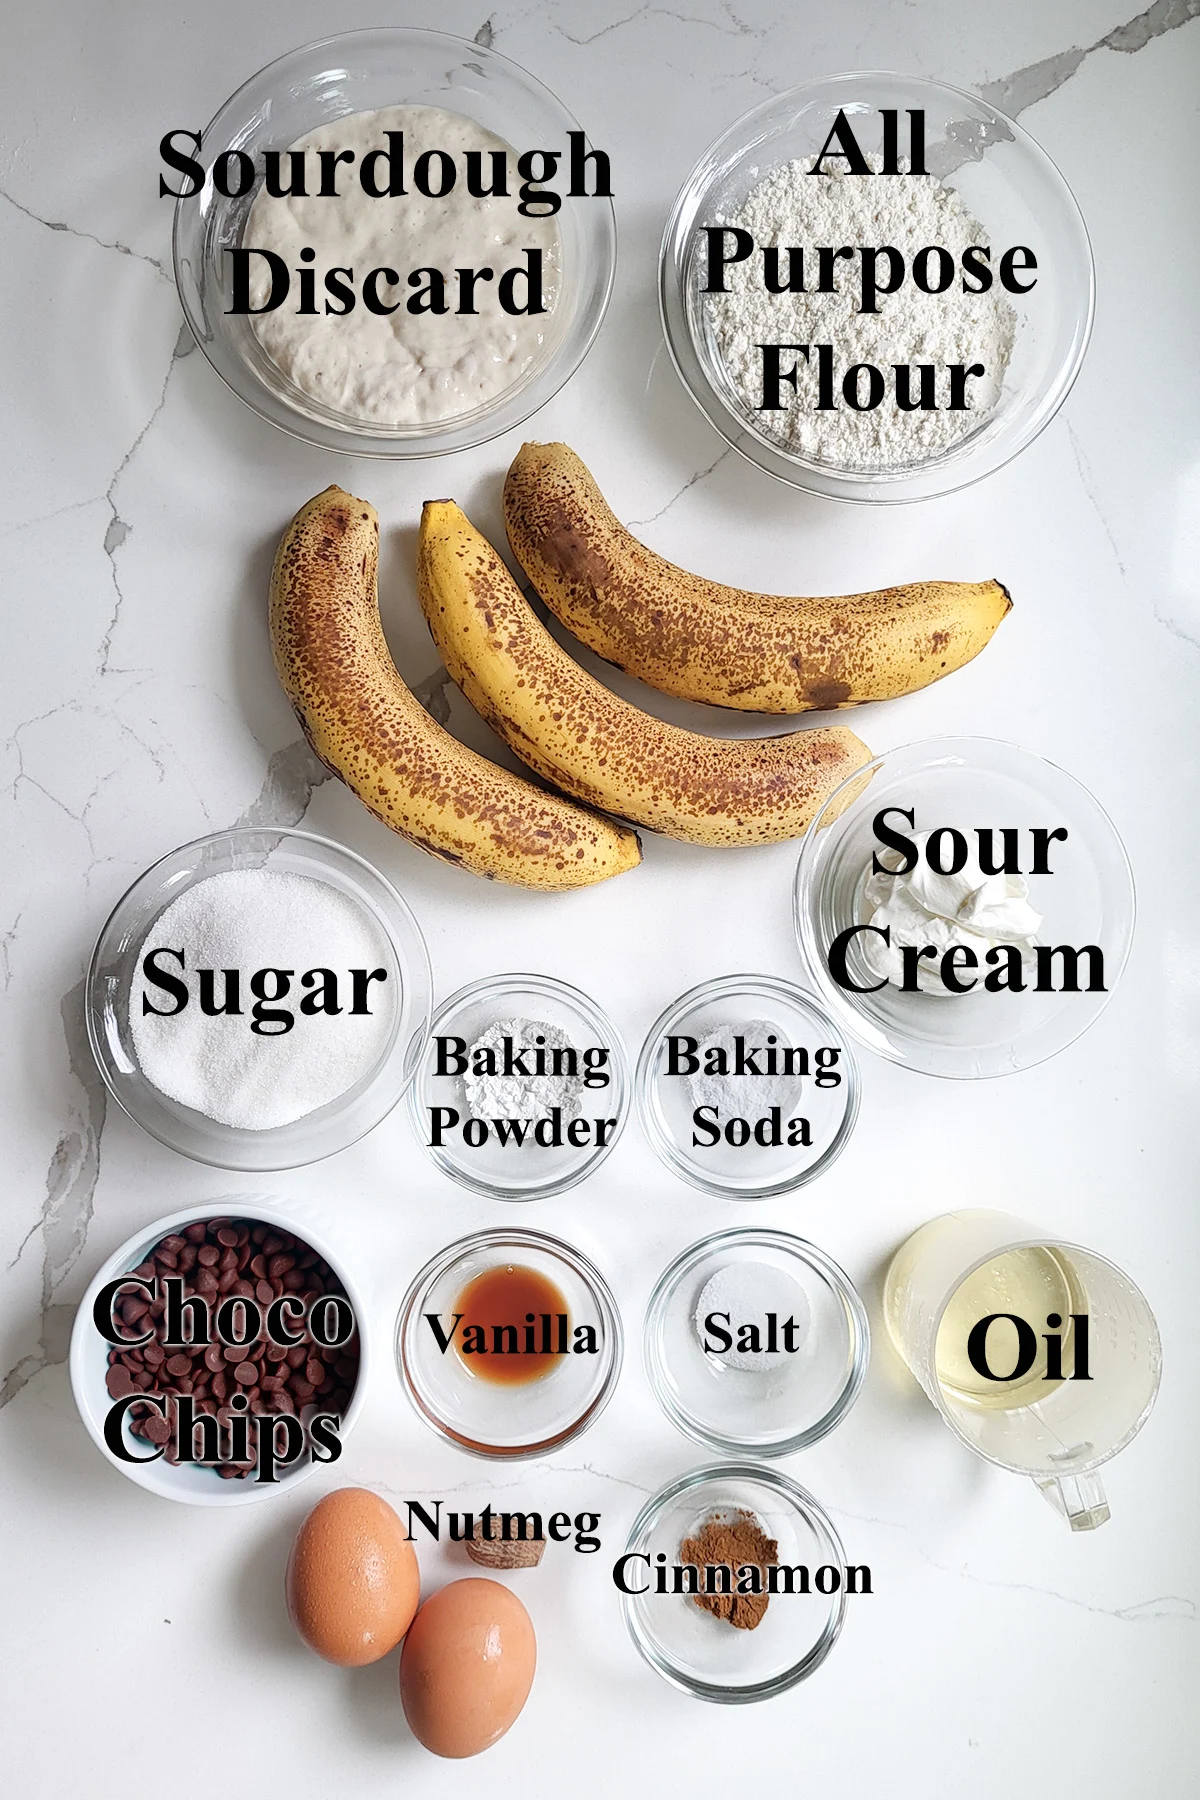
(522, 1088)
(747, 1087)
(366, 71)
(1009, 185)
(706, 1656)
(362, 900)
(755, 1343)
(474, 1392)
(1083, 897)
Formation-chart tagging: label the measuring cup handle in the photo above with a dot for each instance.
(1079, 1498)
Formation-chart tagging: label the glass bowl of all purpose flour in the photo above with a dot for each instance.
(1005, 894)
(522, 1089)
(259, 999)
(419, 363)
(899, 374)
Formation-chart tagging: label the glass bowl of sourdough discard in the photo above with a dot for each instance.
(1005, 180)
(362, 71)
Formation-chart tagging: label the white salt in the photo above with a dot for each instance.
(747, 1292)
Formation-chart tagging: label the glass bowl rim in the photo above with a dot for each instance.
(416, 954)
(802, 879)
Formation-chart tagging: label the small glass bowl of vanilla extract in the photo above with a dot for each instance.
(508, 1343)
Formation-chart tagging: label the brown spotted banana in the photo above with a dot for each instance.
(725, 645)
(574, 732)
(370, 729)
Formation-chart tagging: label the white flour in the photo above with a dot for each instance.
(514, 1096)
(908, 212)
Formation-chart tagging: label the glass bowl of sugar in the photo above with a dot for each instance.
(522, 1088)
(877, 287)
(747, 1087)
(259, 999)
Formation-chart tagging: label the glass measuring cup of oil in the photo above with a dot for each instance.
(1040, 1355)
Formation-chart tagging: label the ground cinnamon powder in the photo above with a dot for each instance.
(733, 1538)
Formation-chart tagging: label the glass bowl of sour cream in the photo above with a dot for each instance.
(964, 907)
(772, 276)
(392, 243)
(259, 999)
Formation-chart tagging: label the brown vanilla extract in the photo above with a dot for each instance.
(514, 1326)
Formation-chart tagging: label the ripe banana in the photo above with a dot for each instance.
(723, 645)
(366, 725)
(576, 733)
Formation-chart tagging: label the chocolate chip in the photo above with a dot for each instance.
(244, 1260)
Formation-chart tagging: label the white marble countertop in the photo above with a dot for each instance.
(139, 507)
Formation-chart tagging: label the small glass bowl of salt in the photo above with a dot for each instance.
(523, 1088)
(755, 1341)
(746, 1087)
(259, 999)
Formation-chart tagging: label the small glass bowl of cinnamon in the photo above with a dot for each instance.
(509, 1343)
(735, 1648)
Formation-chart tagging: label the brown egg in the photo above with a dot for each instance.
(352, 1579)
(467, 1667)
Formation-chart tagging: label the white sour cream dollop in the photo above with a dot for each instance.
(923, 907)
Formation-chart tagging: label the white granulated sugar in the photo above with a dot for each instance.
(747, 1292)
(791, 207)
(742, 1096)
(250, 920)
(515, 1096)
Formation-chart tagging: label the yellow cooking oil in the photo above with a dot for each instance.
(1032, 1283)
